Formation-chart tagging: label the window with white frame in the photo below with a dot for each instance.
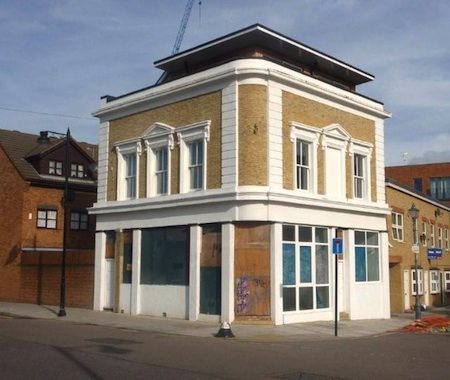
(432, 237)
(397, 226)
(159, 144)
(77, 170)
(359, 178)
(439, 237)
(435, 284)
(415, 283)
(46, 218)
(361, 152)
(305, 141)
(367, 256)
(447, 281)
(127, 169)
(306, 268)
(196, 167)
(193, 141)
(303, 162)
(446, 239)
(424, 233)
(55, 167)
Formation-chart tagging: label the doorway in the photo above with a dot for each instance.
(210, 270)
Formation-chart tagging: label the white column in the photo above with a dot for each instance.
(194, 272)
(227, 272)
(349, 271)
(99, 274)
(135, 301)
(384, 258)
(276, 272)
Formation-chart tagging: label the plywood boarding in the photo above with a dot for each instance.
(252, 271)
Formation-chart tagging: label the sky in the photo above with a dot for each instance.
(60, 57)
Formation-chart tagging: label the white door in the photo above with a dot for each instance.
(335, 176)
(426, 290)
(406, 287)
(109, 284)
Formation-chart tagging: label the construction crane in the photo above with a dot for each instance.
(183, 25)
(180, 35)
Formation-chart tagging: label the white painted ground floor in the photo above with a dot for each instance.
(280, 271)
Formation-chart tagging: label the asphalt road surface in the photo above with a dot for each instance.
(44, 349)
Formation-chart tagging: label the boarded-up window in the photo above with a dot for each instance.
(252, 270)
(165, 256)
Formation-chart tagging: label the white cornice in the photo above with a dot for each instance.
(255, 194)
(183, 87)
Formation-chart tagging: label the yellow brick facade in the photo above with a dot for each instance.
(253, 135)
(193, 110)
(302, 110)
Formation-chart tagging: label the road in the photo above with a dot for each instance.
(49, 349)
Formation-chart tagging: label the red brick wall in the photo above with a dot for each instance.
(41, 278)
(35, 277)
(406, 174)
(12, 188)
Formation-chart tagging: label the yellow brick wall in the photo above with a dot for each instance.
(253, 135)
(205, 107)
(401, 202)
(309, 112)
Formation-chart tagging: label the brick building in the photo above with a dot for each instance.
(432, 233)
(31, 220)
(222, 186)
(432, 180)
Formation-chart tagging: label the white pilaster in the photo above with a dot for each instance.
(384, 248)
(102, 164)
(230, 136)
(136, 273)
(349, 270)
(227, 272)
(276, 272)
(194, 272)
(99, 274)
(275, 136)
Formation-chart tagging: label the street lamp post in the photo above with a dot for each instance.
(62, 289)
(413, 213)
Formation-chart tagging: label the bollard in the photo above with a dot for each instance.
(225, 331)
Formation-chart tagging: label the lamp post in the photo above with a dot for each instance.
(413, 213)
(44, 138)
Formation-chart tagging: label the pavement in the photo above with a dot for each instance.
(242, 331)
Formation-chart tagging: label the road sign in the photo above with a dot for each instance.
(434, 253)
(415, 248)
(337, 246)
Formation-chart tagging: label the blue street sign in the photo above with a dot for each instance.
(337, 246)
(434, 253)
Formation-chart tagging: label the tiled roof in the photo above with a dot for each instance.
(19, 145)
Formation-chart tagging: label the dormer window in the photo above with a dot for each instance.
(55, 167)
(77, 170)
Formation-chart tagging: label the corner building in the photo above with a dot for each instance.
(222, 186)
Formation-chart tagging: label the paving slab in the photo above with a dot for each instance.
(249, 332)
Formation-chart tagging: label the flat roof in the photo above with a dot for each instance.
(259, 35)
